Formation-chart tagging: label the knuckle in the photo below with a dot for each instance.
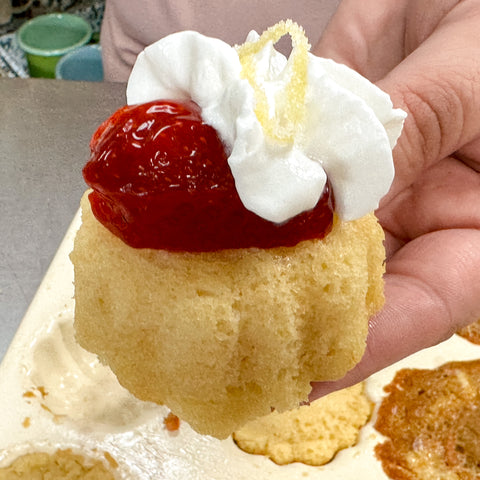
(436, 118)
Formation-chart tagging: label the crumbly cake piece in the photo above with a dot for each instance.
(471, 332)
(310, 434)
(61, 465)
(221, 337)
(432, 421)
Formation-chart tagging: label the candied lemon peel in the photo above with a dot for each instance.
(289, 115)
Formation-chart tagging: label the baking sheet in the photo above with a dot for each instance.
(55, 395)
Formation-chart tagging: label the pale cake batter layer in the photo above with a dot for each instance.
(223, 337)
(61, 465)
(310, 434)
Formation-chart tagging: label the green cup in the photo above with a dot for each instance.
(46, 38)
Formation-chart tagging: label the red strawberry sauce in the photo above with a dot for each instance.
(161, 180)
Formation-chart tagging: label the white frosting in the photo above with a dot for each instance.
(348, 134)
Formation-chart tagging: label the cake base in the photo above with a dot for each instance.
(223, 337)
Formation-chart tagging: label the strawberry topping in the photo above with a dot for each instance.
(161, 180)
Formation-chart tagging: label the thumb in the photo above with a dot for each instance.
(437, 85)
(423, 304)
(425, 55)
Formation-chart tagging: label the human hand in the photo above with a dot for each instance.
(426, 55)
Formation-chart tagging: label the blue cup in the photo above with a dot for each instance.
(82, 64)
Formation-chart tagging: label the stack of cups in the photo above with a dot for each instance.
(47, 38)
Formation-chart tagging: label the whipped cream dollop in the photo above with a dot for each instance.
(347, 135)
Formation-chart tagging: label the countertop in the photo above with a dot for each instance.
(45, 128)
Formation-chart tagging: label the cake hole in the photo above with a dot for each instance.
(204, 293)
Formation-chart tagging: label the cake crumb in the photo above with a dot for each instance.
(26, 422)
(33, 393)
(171, 422)
(42, 391)
(112, 462)
(471, 332)
(56, 418)
(29, 394)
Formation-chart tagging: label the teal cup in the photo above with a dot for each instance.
(47, 38)
(82, 64)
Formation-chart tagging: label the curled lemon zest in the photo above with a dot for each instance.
(289, 114)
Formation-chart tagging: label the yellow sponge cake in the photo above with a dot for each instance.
(221, 337)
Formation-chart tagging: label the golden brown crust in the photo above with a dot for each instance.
(471, 332)
(222, 337)
(432, 422)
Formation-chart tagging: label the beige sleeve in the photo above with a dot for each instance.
(128, 27)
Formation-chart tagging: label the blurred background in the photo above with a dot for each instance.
(13, 62)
